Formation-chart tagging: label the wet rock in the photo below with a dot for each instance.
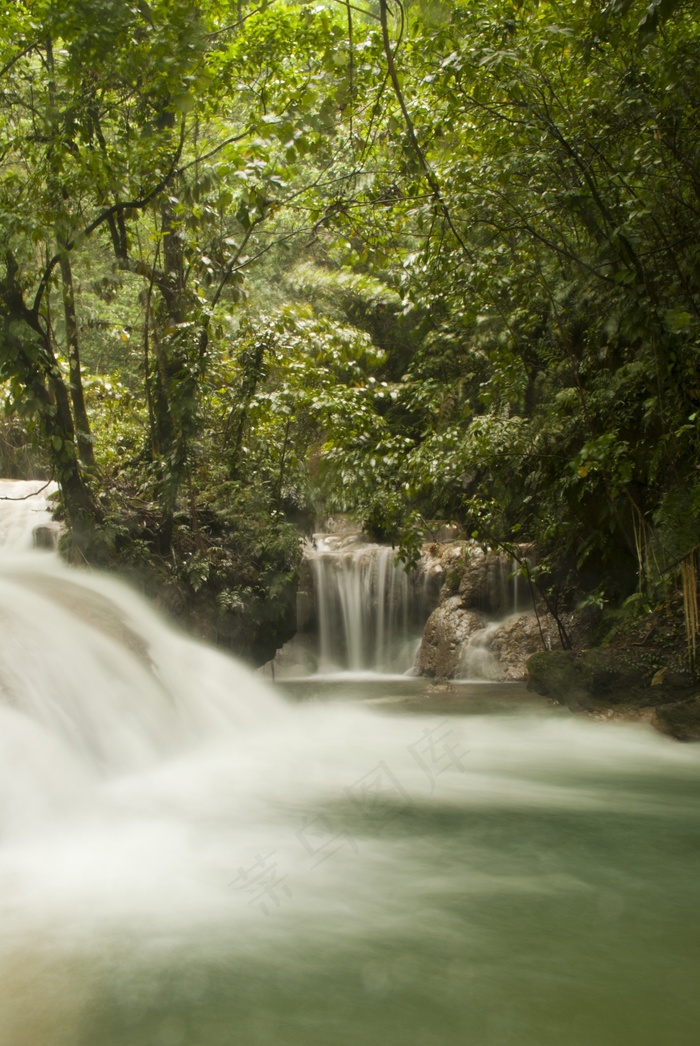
(513, 641)
(485, 582)
(305, 599)
(46, 536)
(603, 678)
(554, 673)
(297, 658)
(340, 523)
(442, 565)
(446, 632)
(679, 719)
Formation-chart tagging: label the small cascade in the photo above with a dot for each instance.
(88, 668)
(25, 516)
(477, 660)
(502, 589)
(484, 627)
(365, 608)
(358, 611)
(505, 602)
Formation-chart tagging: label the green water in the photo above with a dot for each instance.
(451, 876)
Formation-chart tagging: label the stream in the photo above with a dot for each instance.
(192, 857)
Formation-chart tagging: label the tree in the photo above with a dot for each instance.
(556, 262)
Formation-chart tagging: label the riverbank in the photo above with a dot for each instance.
(635, 666)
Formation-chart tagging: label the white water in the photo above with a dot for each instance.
(369, 609)
(186, 858)
(24, 506)
(476, 660)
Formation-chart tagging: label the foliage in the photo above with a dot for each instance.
(264, 261)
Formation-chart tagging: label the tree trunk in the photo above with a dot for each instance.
(28, 357)
(82, 423)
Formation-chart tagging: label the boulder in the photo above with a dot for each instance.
(603, 678)
(485, 583)
(518, 637)
(679, 719)
(587, 679)
(554, 673)
(446, 632)
(46, 536)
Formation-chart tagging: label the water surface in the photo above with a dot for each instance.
(337, 874)
(189, 857)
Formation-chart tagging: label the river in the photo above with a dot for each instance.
(188, 856)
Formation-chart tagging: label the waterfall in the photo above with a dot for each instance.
(369, 609)
(25, 515)
(476, 660)
(185, 857)
(362, 606)
(358, 611)
(87, 666)
(502, 593)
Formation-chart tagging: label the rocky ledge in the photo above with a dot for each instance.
(623, 666)
(609, 683)
(484, 625)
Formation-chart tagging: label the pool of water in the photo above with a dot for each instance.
(476, 869)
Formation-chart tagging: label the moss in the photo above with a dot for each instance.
(604, 677)
(554, 673)
(680, 719)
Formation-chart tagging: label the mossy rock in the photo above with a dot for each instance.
(601, 678)
(612, 680)
(679, 719)
(554, 673)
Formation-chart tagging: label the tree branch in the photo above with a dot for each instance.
(428, 172)
(110, 212)
(21, 54)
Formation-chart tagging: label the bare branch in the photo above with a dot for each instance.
(26, 497)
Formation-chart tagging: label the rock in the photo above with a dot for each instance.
(513, 641)
(554, 673)
(442, 566)
(446, 632)
(587, 679)
(46, 536)
(460, 642)
(603, 678)
(341, 523)
(611, 679)
(679, 719)
(305, 599)
(297, 658)
(485, 583)
(448, 532)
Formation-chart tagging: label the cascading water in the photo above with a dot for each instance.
(476, 660)
(84, 659)
(186, 858)
(368, 609)
(502, 592)
(25, 514)
(360, 612)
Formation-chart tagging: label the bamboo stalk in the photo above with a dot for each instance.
(690, 602)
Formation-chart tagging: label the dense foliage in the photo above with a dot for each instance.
(431, 260)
